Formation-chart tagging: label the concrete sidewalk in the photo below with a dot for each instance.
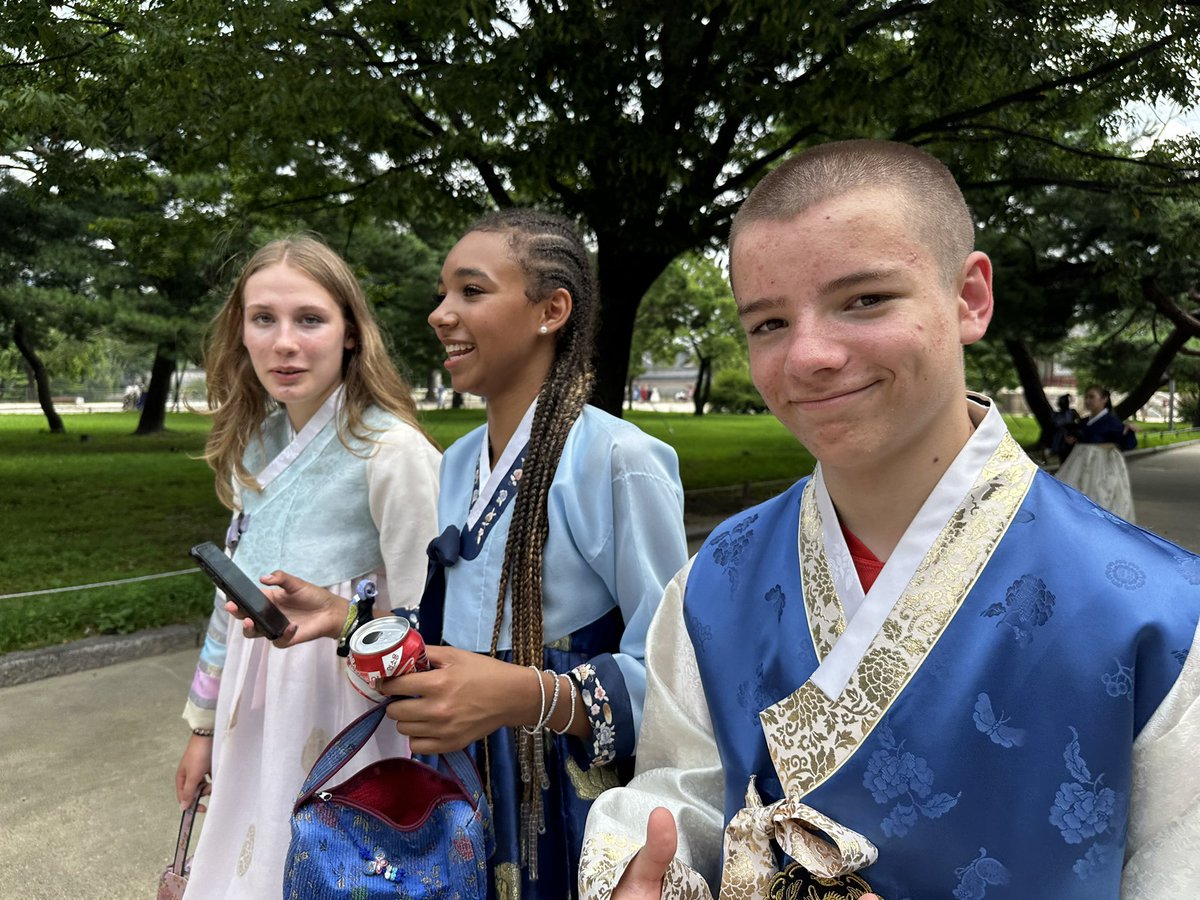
(87, 799)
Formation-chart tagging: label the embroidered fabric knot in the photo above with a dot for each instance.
(237, 527)
(446, 547)
(816, 842)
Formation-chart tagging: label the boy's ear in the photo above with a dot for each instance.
(975, 298)
(556, 310)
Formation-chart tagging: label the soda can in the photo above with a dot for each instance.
(381, 649)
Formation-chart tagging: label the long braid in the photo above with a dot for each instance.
(552, 256)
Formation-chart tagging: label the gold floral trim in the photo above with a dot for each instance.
(809, 735)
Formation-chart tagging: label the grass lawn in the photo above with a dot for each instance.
(99, 504)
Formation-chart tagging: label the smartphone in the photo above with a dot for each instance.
(237, 586)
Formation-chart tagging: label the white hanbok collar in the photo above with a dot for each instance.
(488, 479)
(297, 442)
(1098, 416)
(865, 614)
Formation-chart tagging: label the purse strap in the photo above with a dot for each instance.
(354, 737)
(185, 831)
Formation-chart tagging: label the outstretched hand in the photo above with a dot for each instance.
(643, 877)
(313, 611)
(463, 697)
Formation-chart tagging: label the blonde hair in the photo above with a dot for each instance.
(238, 402)
(941, 218)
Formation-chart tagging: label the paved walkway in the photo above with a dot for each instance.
(87, 760)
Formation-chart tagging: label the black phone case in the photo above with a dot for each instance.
(238, 587)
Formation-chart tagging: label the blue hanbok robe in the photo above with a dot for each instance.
(967, 728)
(616, 538)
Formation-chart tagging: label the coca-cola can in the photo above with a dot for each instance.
(381, 649)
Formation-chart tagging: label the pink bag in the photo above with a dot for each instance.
(173, 882)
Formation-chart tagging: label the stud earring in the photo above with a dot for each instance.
(543, 330)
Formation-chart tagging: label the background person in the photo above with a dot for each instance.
(1096, 465)
(929, 669)
(1065, 424)
(316, 449)
(562, 525)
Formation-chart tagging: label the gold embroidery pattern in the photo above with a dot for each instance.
(508, 881)
(810, 735)
(595, 781)
(821, 847)
(603, 862)
(793, 883)
(826, 620)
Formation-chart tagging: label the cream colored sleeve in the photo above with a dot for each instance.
(678, 767)
(403, 490)
(1162, 853)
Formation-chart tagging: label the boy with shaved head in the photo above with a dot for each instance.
(928, 670)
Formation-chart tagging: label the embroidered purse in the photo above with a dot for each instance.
(173, 881)
(397, 828)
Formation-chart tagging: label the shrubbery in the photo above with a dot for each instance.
(733, 391)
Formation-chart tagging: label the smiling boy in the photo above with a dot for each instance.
(928, 670)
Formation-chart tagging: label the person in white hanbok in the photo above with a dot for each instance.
(317, 451)
(1096, 464)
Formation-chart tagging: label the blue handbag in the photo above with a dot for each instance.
(397, 828)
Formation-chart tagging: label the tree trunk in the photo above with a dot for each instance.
(1155, 375)
(625, 277)
(154, 409)
(37, 370)
(703, 385)
(1031, 382)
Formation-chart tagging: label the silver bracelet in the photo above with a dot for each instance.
(553, 701)
(542, 712)
(202, 732)
(574, 697)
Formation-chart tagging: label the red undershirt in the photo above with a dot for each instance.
(866, 563)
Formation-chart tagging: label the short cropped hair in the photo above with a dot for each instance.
(941, 217)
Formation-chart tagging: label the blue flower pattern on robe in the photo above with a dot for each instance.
(1189, 568)
(752, 696)
(1124, 574)
(1119, 683)
(1027, 604)
(894, 773)
(975, 876)
(701, 633)
(1084, 809)
(776, 598)
(728, 547)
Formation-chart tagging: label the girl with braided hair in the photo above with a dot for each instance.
(553, 588)
(562, 524)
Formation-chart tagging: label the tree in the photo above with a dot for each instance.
(646, 121)
(47, 265)
(690, 310)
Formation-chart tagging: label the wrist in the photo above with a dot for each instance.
(202, 733)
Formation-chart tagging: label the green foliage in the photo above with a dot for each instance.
(734, 392)
(648, 122)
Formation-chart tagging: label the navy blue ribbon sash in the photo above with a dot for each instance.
(454, 544)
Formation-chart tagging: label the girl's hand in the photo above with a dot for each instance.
(313, 611)
(195, 764)
(463, 697)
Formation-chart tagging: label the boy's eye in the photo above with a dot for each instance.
(767, 326)
(866, 301)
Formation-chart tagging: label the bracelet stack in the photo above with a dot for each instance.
(546, 714)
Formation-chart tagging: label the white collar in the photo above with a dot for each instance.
(298, 442)
(865, 615)
(1098, 416)
(488, 478)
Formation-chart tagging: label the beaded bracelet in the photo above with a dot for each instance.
(202, 732)
(574, 697)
